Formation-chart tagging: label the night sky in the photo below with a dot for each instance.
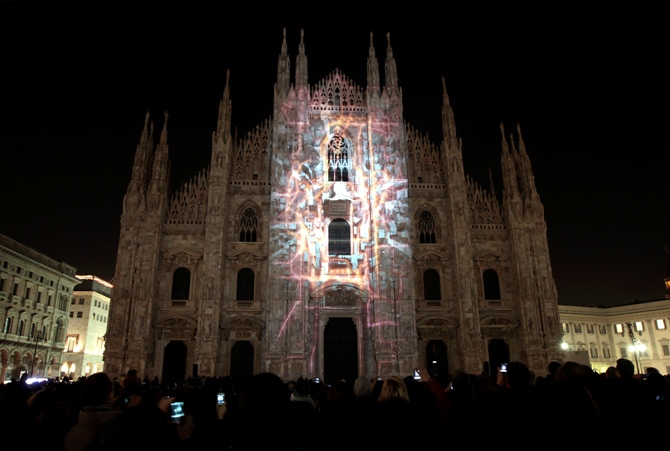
(588, 88)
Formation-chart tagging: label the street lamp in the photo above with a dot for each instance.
(39, 336)
(636, 346)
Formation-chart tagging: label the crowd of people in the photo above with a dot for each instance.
(570, 404)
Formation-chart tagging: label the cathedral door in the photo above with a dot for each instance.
(340, 358)
(437, 362)
(498, 353)
(174, 363)
(242, 360)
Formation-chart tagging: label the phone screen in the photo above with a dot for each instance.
(220, 398)
(417, 376)
(177, 411)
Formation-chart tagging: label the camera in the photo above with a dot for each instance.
(220, 398)
(503, 367)
(177, 411)
(417, 376)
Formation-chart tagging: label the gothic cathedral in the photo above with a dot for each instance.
(333, 240)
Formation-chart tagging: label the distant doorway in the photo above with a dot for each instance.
(498, 353)
(437, 362)
(174, 363)
(242, 360)
(340, 356)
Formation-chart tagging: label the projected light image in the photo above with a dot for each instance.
(340, 225)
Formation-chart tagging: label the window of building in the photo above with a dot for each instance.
(80, 314)
(590, 329)
(27, 292)
(660, 324)
(639, 326)
(21, 326)
(594, 352)
(71, 313)
(2, 284)
(566, 328)
(427, 233)
(624, 352)
(181, 284)
(666, 349)
(578, 328)
(49, 299)
(245, 285)
(8, 325)
(39, 296)
(249, 226)
(15, 290)
(432, 290)
(644, 350)
(606, 353)
(73, 301)
(618, 328)
(71, 342)
(339, 238)
(491, 285)
(338, 159)
(602, 329)
(81, 301)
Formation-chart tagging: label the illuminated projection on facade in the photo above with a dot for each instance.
(332, 240)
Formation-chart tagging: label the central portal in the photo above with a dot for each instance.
(340, 350)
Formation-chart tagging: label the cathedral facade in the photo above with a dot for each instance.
(333, 240)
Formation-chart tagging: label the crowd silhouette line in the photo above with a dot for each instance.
(570, 401)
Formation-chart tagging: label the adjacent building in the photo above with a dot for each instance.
(638, 331)
(87, 326)
(35, 292)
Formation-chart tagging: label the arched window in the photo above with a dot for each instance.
(339, 237)
(248, 226)
(427, 233)
(245, 285)
(338, 159)
(181, 284)
(491, 285)
(431, 285)
(21, 326)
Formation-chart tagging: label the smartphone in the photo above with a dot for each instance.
(503, 367)
(317, 380)
(220, 398)
(177, 411)
(417, 376)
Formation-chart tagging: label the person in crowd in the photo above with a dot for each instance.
(97, 397)
(519, 399)
(261, 419)
(394, 407)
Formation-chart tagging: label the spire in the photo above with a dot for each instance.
(373, 70)
(140, 165)
(448, 123)
(492, 186)
(134, 200)
(526, 170)
(225, 107)
(510, 187)
(301, 80)
(283, 71)
(390, 72)
(157, 193)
